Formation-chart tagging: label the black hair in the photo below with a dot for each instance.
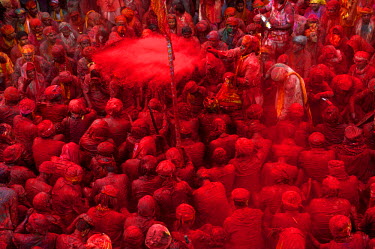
(20, 34)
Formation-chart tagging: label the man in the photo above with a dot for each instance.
(247, 69)
(31, 84)
(315, 9)
(231, 34)
(67, 195)
(248, 163)
(105, 218)
(290, 89)
(21, 21)
(45, 146)
(7, 41)
(362, 69)
(32, 10)
(8, 207)
(46, 46)
(244, 226)
(57, 13)
(340, 227)
(6, 70)
(210, 201)
(22, 40)
(9, 108)
(355, 154)
(331, 17)
(365, 26)
(299, 58)
(324, 208)
(315, 160)
(28, 55)
(349, 185)
(36, 32)
(23, 126)
(119, 126)
(61, 62)
(172, 193)
(282, 21)
(70, 86)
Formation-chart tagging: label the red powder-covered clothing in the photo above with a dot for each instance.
(357, 159)
(26, 241)
(314, 162)
(34, 186)
(8, 112)
(225, 175)
(55, 168)
(145, 185)
(195, 152)
(170, 196)
(8, 209)
(109, 222)
(74, 128)
(225, 141)
(70, 241)
(211, 204)
(270, 197)
(143, 223)
(349, 189)
(268, 179)
(53, 111)
(285, 220)
(187, 173)
(44, 149)
(288, 150)
(118, 128)
(357, 241)
(321, 211)
(19, 175)
(244, 229)
(119, 181)
(368, 222)
(24, 132)
(248, 169)
(130, 168)
(67, 200)
(198, 238)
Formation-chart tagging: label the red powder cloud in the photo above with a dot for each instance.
(146, 60)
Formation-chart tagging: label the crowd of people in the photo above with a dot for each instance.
(268, 143)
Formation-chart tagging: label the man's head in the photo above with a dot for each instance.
(249, 44)
(279, 74)
(214, 38)
(366, 15)
(30, 70)
(231, 25)
(340, 226)
(20, 15)
(55, 5)
(240, 6)
(166, 169)
(172, 21)
(315, 4)
(50, 34)
(28, 52)
(46, 18)
(240, 197)
(84, 41)
(361, 59)
(7, 31)
(179, 9)
(32, 8)
(187, 32)
(22, 38)
(299, 43)
(333, 8)
(58, 53)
